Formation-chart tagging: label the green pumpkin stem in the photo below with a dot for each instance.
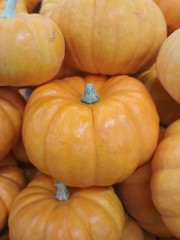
(10, 9)
(89, 96)
(62, 193)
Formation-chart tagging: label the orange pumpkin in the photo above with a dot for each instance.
(166, 177)
(131, 230)
(38, 48)
(168, 109)
(91, 213)
(170, 10)
(135, 194)
(12, 181)
(168, 65)
(11, 112)
(47, 6)
(110, 37)
(19, 152)
(84, 139)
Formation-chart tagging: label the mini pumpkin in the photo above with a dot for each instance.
(65, 213)
(91, 130)
(38, 48)
(131, 230)
(12, 181)
(110, 37)
(135, 194)
(168, 65)
(168, 109)
(12, 106)
(166, 177)
(170, 10)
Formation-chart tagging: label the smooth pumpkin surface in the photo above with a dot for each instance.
(135, 194)
(38, 48)
(168, 65)
(84, 144)
(166, 177)
(168, 109)
(12, 181)
(110, 37)
(91, 213)
(12, 106)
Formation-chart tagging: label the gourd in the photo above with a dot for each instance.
(88, 125)
(12, 181)
(38, 48)
(165, 178)
(110, 37)
(62, 213)
(12, 106)
(168, 65)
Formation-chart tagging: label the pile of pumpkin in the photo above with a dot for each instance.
(90, 120)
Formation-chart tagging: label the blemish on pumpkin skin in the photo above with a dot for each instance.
(53, 35)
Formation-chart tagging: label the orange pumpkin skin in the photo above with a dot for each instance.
(168, 109)
(170, 9)
(135, 194)
(38, 50)
(89, 213)
(106, 39)
(12, 181)
(168, 65)
(165, 178)
(88, 144)
(11, 113)
(131, 230)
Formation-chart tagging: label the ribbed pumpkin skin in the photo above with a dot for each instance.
(11, 113)
(91, 214)
(135, 194)
(168, 65)
(110, 37)
(38, 50)
(12, 181)
(96, 144)
(166, 177)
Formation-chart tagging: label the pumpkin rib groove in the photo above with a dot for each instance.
(8, 178)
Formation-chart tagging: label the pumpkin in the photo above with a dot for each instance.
(168, 65)
(135, 194)
(110, 37)
(131, 230)
(12, 181)
(38, 48)
(89, 213)
(12, 106)
(166, 176)
(80, 129)
(47, 6)
(19, 152)
(20, 6)
(168, 109)
(170, 10)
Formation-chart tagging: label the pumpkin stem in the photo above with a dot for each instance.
(62, 192)
(10, 9)
(89, 96)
